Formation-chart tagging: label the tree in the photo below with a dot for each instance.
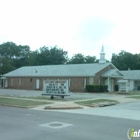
(9, 50)
(7, 66)
(125, 60)
(23, 55)
(77, 59)
(80, 59)
(137, 61)
(33, 59)
(13, 56)
(57, 56)
(90, 59)
(46, 56)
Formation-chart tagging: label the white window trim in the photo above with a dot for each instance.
(99, 81)
(85, 82)
(19, 81)
(12, 81)
(91, 80)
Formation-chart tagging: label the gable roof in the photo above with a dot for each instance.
(131, 74)
(112, 73)
(72, 70)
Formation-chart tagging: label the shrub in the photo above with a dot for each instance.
(89, 88)
(96, 88)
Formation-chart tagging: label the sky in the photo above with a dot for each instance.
(76, 26)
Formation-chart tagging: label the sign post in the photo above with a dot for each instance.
(55, 88)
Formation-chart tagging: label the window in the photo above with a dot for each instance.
(91, 80)
(11, 81)
(19, 81)
(99, 81)
(31, 79)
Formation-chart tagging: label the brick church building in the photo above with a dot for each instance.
(78, 75)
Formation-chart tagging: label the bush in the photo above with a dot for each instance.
(89, 88)
(96, 88)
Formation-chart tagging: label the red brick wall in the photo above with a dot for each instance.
(24, 84)
(98, 75)
(76, 83)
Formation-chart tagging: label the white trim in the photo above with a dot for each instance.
(85, 82)
(37, 83)
(108, 83)
(19, 81)
(12, 81)
(69, 82)
(5, 83)
(99, 81)
(91, 81)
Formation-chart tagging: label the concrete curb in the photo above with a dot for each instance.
(61, 108)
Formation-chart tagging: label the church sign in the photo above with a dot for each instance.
(55, 88)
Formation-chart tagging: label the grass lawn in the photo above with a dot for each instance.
(21, 102)
(135, 97)
(90, 102)
(47, 98)
(135, 93)
(25, 97)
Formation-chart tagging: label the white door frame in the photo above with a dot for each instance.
(37, 83)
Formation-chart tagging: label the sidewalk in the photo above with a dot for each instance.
(61, 105)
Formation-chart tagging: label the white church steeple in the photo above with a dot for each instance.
(102, 56)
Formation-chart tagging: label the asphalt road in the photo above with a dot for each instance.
(23, 124)
(128, 110)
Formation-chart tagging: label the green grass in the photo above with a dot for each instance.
(135, 93)
(47, 98)
(21, 102)
(25, 97)
(135, 97)
(90, 102)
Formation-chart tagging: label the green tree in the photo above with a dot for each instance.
(9, 50)
(22, 59)
(80, 59)
(33, 59)
(77, 59)
(7, 66)
(90, 59)
(125, 60)
(46, 56)
(13, 56)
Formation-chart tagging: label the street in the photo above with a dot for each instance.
(23, 124)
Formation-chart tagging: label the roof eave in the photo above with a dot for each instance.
(112, 76)
(49, 76)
